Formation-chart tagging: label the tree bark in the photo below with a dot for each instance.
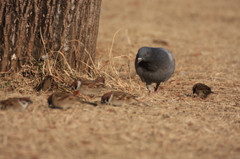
(30, 29)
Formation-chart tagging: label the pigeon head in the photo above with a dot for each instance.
(144, 55)
(147, 59)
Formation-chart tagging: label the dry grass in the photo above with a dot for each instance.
(204, 38)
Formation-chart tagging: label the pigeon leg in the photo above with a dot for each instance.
(156, 88)
(149, 87)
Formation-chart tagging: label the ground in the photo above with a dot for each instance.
(204, 38)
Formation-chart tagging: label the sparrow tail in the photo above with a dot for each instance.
(93, 104)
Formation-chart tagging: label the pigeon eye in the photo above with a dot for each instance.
(146, 54)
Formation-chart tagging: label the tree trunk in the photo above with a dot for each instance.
(30, 29)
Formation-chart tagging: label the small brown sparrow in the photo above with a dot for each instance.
(117, 98)
(62, 100)
(47, 84)
(89, 87)
(201, 90)
(19, 104)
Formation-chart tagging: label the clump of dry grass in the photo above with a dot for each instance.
(118, 71)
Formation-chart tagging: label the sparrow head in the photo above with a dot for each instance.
(25, 101)
(106, 98)
(76, 84)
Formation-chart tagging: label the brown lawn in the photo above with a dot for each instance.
(204, 37)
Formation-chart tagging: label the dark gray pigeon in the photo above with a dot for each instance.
(154, 65)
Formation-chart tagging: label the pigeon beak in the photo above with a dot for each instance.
(139, 59)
